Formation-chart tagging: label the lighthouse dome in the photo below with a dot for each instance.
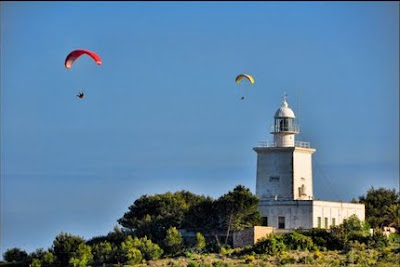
(284, 111)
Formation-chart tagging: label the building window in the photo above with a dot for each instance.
(281, 222)
(326, 223)
(264, 221)
(333, 222)
(319, 222)
(274, 178)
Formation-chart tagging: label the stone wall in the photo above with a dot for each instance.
(250, 236)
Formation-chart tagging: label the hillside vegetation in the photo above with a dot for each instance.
(149, 236)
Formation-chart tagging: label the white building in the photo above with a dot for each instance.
(285, 183)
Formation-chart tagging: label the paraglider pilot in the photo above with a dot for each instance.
(80, 95)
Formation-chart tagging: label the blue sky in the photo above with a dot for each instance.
(163, 113)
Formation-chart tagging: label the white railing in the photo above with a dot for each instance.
(302, 144)
(266, 144)
(296, 144)
(285, 129)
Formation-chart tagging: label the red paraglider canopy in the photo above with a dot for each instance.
(77, 53)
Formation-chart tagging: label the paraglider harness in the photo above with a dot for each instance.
(80, 95)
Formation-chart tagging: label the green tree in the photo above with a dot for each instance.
(149, 250)
(392, 216)
(65, 246)
(352, 229)
(353, 224)
(36, 263)
(15, 255)
(48, 259)
(200, 242)
(82, 256)
(44, 257)
(151, 216)
(116, 236)
(38, 253)
(237, 210)
(173, 241)
(129, 253)
(377, 202)
(103, 252)
(201, 216)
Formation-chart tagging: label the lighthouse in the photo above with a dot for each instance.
(284, 180)
(284, 167)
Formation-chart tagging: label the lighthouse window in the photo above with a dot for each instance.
(274, 178)
(283, 125)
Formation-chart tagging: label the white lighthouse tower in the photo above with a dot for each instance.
(284, 167)
(284, 182)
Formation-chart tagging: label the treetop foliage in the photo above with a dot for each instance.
(382, 207)
(152, 216)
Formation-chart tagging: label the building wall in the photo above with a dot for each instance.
(327, 210)
(297, 213)
(302, 173)
(305, 213)
(250, 236)
(274, 173)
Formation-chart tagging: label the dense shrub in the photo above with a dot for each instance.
(173, 241)
(103, 252)
(35, 263)
(286, 258)
(193, 264)
(200, 242)
(129, 253)
(149, 250)
(220, 264)
(272, 245)
(248, 259)
(378, 240)
(298, 241)
(359, 256)
(323, 239)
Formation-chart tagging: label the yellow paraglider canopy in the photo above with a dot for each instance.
(247, 76)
